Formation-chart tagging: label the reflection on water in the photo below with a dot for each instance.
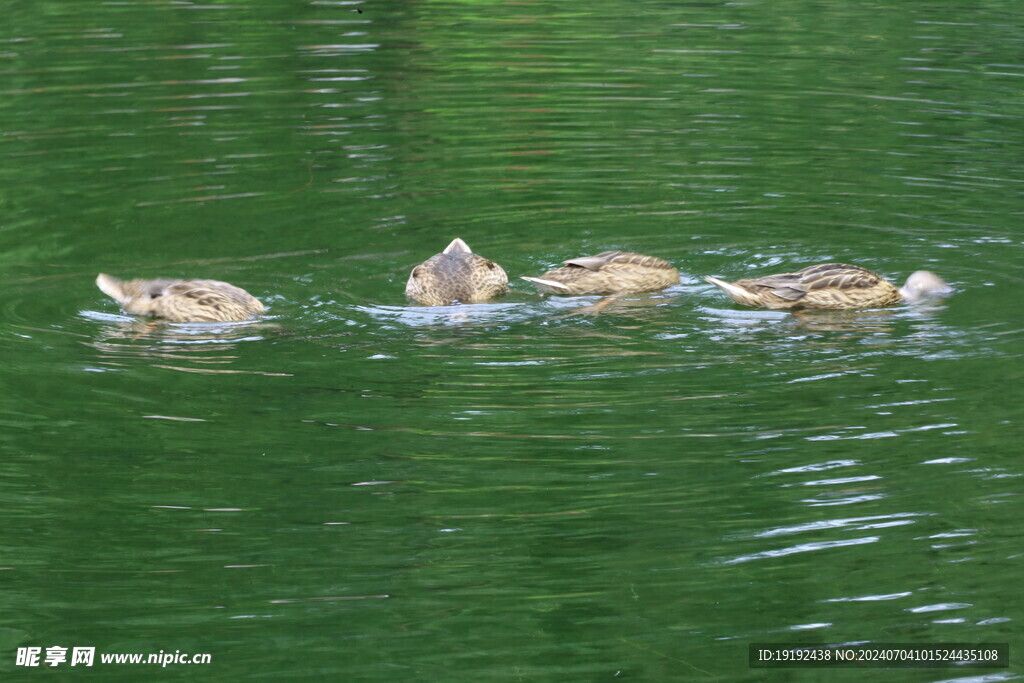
(124, 340)
(917, 331)
(441, 316)
(543, 310)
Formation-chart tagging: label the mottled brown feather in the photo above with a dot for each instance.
(610, 272)
(182, 301)
(456, 275)
(825, 286)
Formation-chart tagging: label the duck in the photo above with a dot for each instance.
(456, 276)
(830, 286)
(608, 273)
(181, 301)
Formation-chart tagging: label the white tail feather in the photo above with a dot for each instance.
(732, 290)
(457, 247)
(542, 283)
(111, 286)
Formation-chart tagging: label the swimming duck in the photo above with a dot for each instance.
(830, 286)
(610, 272)
(456, 275)
(181, 301)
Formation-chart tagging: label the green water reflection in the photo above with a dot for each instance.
(360, 489)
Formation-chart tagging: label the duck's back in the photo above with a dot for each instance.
(825, 286)
(206, 301)
(456, 276)
(610, 272)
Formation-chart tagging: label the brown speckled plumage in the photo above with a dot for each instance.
(456, 275)
(610, 272)
(181, 301)
(828, 286)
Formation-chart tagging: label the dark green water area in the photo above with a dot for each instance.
(357, 489)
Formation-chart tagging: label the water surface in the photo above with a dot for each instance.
(367, 490)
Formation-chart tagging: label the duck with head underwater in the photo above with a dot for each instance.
(456, 275)
(609, 273)
(831, 286)
(181, 301)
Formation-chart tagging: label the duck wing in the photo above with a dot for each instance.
(625, 258)
(841, 276)
(206, 299)
(824, 276)
(594, 263)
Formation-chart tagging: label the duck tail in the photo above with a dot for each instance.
(111, 286)
(457, 247)
(737, 294)
(549, 286)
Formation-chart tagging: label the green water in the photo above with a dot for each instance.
(362, 490)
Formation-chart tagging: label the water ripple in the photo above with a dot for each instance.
(801, 548)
